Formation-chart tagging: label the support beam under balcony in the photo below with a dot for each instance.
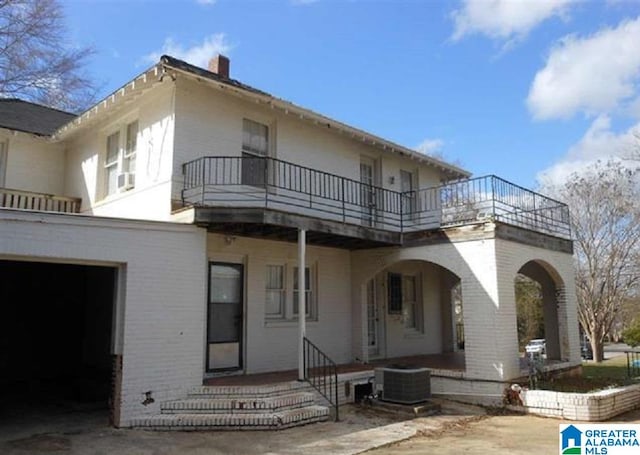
(277, 225)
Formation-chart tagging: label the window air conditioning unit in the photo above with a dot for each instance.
(126, 181)
(403, 384)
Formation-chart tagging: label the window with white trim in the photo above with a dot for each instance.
(130, 148)
(111, 164)
(3, 162)
(120, 159)
(405, 297)
(308, 293)
(281, 293)
(275, 292)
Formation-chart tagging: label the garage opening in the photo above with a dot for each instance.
(56, 337)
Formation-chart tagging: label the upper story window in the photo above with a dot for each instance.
(120, 159)
(111, 163)
(255, 147)
(255, 138)
(3, 162)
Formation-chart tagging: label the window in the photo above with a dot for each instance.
(3, 162)
(281, 293)
(120, 159)
(255, 147)
(275, 292)
(308, 298)
(395, 293)
(405, 298)
(111, 164)
(129, 159)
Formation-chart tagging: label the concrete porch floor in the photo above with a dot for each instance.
(453, 361)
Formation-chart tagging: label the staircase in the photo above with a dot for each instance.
(263, 407)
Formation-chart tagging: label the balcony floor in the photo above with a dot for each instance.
(449, 361)
(277, 225)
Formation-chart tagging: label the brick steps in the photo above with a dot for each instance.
(238, 404)
(246, 391)
(230, 421)
(268, 407)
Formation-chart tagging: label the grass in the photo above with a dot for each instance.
(595, 376)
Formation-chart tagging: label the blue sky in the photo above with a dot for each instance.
(521, 89)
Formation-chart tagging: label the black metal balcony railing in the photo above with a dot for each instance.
(271, 183)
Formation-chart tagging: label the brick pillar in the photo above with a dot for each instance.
(489, 312)
(115, 398)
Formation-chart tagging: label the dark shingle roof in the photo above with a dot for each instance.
(19, 115)
(182, 65)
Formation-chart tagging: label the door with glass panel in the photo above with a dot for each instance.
(374, 322)
(225, 317)
(367, 191)
(255, 151)
(408, 195)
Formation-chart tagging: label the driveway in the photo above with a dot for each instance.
(497, 435)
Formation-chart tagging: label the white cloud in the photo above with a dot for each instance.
(596, 74)
(508, 20)
(198, 54)
(206, 2)
(598, 143)
(431, 147)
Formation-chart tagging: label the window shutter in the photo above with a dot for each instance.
(395, 293)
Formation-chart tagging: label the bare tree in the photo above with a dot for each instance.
(36, 62)
(529, 311)
(605, 216)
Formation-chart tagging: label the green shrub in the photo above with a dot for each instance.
(631, 336)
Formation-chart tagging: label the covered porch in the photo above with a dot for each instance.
(452, 362)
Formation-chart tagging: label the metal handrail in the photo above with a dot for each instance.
(253, 181)
(633, 363)
(322, 373)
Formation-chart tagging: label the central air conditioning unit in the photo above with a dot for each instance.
(126, 181)
(403, 384)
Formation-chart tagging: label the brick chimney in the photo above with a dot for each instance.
(219, 65)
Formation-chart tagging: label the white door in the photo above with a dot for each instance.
(408, 195)
(367, 191)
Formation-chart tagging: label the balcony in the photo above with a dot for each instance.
(27, 200)
(238, 188)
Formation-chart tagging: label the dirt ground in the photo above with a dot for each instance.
(82, 432)
(459, 429)
(498, 435)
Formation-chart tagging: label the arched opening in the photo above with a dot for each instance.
(538, 290)
(414, 308)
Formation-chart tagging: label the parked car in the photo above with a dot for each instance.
(536, 346)
(585, 349)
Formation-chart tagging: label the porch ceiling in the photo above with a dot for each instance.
(277, 225)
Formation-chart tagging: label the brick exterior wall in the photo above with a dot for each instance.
(160, 310)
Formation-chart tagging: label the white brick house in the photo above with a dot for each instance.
(193, 189)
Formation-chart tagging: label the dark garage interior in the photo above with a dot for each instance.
(55, 336)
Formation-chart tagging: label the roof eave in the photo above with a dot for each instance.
(305, 114)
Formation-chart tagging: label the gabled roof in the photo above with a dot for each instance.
(19, 115)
